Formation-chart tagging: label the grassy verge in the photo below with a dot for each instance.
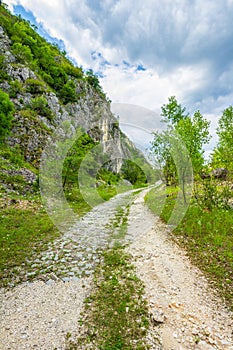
(206, 234)
(23, 234)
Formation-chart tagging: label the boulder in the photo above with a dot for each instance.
(220, 173)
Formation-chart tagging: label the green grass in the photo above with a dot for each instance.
(162, 201)
(23, 234)
(206, 234)
(116, 315)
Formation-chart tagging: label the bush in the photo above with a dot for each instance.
(6, 114)
(3, 75)
(22, 53)
(15, 88)
(211, 194)
(68, 92)
(40, 105)
(34, 86)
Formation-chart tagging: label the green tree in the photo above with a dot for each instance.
(186, 135)
(194, 133)
(133, 172)
(76, 154)
(173, 112)
(222, 155)
(161, 149)
(6, 115)
(22, 52)
(40, 105)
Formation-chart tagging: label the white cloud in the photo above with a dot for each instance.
(186, 47)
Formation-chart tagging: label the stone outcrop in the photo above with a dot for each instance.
(220, 173)
(91, 112)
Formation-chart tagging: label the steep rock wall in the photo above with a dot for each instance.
(32, 127)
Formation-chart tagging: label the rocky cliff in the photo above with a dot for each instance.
(46, 95)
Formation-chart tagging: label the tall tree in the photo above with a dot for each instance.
(222, 155)
(194, 132)
(173, 112)
(186, 135)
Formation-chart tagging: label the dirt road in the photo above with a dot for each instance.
(185, 312)
(188, 314)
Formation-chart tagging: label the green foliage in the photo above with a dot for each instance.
(15, 88)
(161, 148)
(72, 71)
(93, 80)
(14, 156)
(181, 143)
(34, 86)
(108, 176)
(6, 115)
(68, 92)
(194, 133)
(172, 112)
(222, 155)
(209, 195)
(132, 172)
(76, 154)
(22, 52)
(40, 106)
(3, 75)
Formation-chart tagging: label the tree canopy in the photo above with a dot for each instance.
(187, 133)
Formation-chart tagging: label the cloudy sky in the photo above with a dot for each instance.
(145, 51)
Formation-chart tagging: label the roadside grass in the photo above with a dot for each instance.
(23, 235)
(206, 234)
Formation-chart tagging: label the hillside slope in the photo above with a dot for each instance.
(47, 90)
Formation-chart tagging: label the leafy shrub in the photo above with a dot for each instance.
(6, 114)
(40, 105)
(14, 155)
(34, 86)
(75, 72)
(68, 92)
(210, 195)
(15, 88)
(3, 74)
(22, 52)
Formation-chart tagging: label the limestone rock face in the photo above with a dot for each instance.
(32, 129)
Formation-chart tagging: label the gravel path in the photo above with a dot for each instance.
(38, 315)
(188, 314)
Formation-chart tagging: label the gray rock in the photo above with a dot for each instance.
(220, 173)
